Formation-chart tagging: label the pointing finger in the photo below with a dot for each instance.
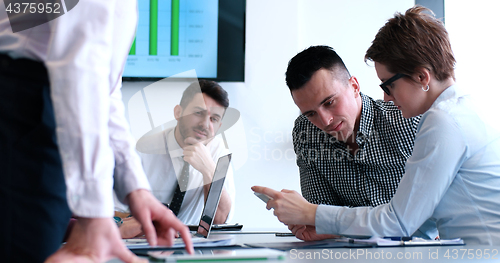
(267, 191)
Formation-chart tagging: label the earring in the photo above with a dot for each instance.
(426, 88)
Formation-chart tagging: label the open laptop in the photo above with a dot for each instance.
(213, 197)
(207, 216)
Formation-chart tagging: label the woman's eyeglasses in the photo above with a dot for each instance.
(390, 81)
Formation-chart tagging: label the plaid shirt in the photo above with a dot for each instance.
(330, 174)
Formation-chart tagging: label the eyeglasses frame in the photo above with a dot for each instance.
(389, 82)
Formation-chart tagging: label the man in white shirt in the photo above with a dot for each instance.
(199, 116)
(64, 135)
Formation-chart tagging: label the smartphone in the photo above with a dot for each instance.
(262, 197)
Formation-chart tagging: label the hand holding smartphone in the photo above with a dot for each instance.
(262, 197)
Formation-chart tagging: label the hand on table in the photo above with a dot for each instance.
(98, 239)
(130, 228)
(94, 240)
(289, 206)
(148, 211)
(308, 233)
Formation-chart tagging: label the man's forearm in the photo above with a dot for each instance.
(223, 209)
(224, 206)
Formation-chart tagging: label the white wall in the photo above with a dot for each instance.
(261, 141)
(474, 30)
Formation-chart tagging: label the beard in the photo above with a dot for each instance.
(192, 131)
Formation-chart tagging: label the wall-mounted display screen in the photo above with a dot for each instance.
(175, 37)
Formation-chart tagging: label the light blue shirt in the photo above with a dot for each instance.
(452, 178)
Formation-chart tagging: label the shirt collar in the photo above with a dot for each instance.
(173, 147)
(452, 91)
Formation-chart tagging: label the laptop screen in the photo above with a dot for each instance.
(214, 194)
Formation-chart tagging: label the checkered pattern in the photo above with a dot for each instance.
(180, 191)
(329, 174)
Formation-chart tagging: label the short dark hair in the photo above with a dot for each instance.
(303, 65)
(208, 87)
(415, 39)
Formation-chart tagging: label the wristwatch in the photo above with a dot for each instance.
(118, 221)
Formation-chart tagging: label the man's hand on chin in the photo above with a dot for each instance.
(197, 155)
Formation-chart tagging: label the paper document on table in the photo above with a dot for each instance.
(443, 242)
(212, 241)
(393, 242)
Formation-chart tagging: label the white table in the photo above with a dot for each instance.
(379, 254)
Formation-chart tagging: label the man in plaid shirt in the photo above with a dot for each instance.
(351, 149)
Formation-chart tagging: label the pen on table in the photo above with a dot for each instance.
(286, 234)
(398, 238)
